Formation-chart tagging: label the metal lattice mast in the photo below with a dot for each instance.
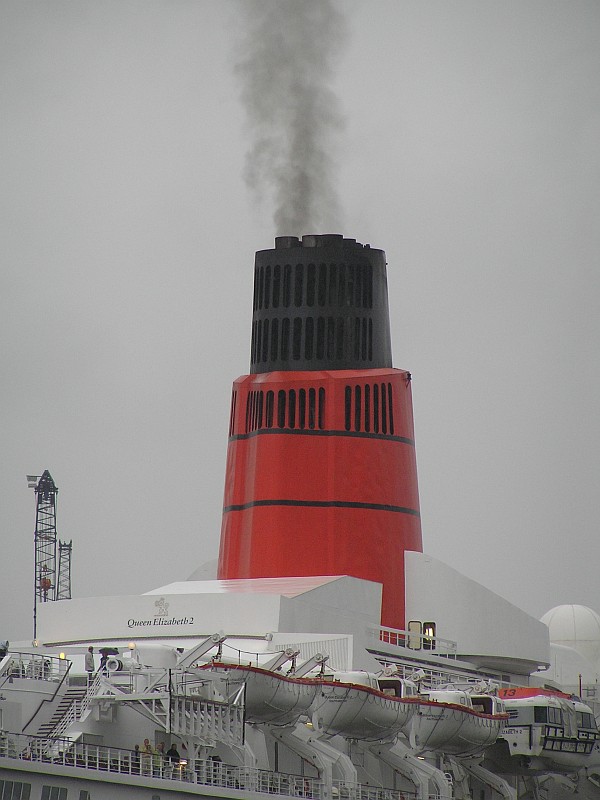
(45, 543)
(63, 586)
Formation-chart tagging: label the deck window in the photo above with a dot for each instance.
(555, 715)
(54, 793)
(429, 636)
(14, 790)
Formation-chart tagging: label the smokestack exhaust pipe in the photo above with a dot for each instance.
(321, 469)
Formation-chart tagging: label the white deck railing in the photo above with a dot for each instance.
(411, 641)
(32, 665)
(139, 766)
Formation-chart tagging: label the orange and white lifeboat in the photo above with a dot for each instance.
(547, 731)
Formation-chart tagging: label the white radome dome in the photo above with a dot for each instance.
(577, 627)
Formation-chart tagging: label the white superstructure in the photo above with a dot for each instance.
(290, 686)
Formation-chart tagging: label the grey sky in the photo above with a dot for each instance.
(470, 154)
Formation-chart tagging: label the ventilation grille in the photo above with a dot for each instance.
(294, 409)
(324, 339)
(310, 285)
(369, 408)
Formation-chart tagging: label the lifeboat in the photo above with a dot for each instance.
(456, 722)
(362, 706)
(547, 731)
(269, 696)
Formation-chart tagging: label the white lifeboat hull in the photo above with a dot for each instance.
(360, 712)
(269, 696)
(454, 729)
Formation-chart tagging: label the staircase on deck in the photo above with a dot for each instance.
(73, 695)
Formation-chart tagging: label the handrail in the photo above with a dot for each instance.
(67, 719)
(360, 791)
(77, 708)
(50, 699)
(37, 666)
(401, 638)
(77, 755)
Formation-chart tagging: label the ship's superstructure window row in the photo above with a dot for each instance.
(14, 790)
(310, 285)
(54, 793)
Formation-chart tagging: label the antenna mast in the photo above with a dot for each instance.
(45, 541)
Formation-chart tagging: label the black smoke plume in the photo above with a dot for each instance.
(285, 66)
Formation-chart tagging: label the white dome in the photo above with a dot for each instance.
(577, 627)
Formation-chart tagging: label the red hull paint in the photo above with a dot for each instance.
(323, 500)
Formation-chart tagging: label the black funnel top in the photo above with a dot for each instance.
(320, 303)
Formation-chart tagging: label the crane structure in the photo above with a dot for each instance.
(63, 585)
(52, 570)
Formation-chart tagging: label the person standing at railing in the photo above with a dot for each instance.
(147, 753)
(135, 760)
(89, 664)
(158, 759)
(173, 755)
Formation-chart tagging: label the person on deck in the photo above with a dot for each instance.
(158, 759)
(147, 753)
(89, 664)
(173, 755)
(135, 760)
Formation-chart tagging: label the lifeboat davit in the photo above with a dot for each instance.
(457, 723)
